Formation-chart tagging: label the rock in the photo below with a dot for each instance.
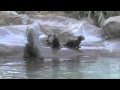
(111, 28)
(23, 19)
(29, 13)
(26, 12)
(5, 14)
(8, 16)
(112, 45)
(91, 30)
(11, 17)
(89, 20)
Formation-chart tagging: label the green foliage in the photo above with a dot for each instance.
(100, 16)
(53, 13)
(3, 23)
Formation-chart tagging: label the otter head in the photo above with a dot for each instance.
(55, 37)
(80, 38)
(49, 38)
(50, 35)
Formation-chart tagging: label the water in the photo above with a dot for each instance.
(90, 63)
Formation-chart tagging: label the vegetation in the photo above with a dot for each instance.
(51, 13)
(3, 23)
(98, 16)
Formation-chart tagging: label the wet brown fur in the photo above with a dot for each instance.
(55, 42)
(75, 43)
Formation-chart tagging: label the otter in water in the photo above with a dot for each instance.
(55, 41)
(33, 47)
(75, 43)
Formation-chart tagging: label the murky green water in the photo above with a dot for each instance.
(93, 63)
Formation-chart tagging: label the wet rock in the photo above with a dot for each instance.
(113, 45)
(23, 19)
(26, 12)
(8, 16)
(92, 30)
(18, 20)
(5, 14)
(89, 20)
(91, 33)
(111, 28)
(29, 13)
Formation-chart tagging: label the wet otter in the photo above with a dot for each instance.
(55, 41)
(75, 43)
(49, 39)
(33, 47)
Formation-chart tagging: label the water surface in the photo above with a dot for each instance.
(89, 63)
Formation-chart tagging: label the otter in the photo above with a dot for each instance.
(49, 39)
(33, 47)
(75, 43)
(55, 41)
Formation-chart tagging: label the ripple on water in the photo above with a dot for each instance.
(93, 63)
(12, 69)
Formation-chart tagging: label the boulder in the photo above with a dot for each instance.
(89, 20)
(23, 19)
(5, 14)
(26, 12)
(11, 17)
(8, 16)
(111, 28)
(29, 13)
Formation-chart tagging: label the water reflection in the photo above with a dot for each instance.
(55, 67)
(12, 68)
(55, 50)
(86, 63)
(33, 65)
